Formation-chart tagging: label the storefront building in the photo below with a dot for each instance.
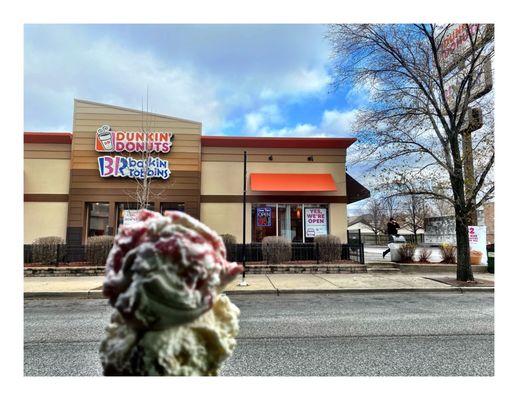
(86, 183)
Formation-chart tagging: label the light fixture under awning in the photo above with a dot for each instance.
(292, 182)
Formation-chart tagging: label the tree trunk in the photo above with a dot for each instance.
(464, 271)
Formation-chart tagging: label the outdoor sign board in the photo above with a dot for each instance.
(456, 44)
(108, 140)
(477, 241)
(129, 217)
(264, 216)
(482, 84)
(128, 167)
(315, 221)
(117, 141)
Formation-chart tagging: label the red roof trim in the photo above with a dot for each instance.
(275, 142)
(47, 137)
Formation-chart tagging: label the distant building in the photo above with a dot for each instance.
(442, 229)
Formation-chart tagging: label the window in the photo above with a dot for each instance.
(172, 207)
(290, 221)
(299, 223)
(121, 210)
(316, 221)
(97, 217)
(264, 221)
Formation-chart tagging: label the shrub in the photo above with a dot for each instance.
(424, 254)
(329, 248)
(45, 249)
(406, 252)
(276, 249)
(448, 253)
(97, 249)
(228, 239)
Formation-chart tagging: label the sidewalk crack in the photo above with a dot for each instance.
(328, 281)
(271, 283)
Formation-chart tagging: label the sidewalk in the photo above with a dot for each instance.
(90, 286)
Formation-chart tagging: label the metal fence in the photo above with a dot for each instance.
(63, 254)
(355, 236)
(299, 252)
(59, 254)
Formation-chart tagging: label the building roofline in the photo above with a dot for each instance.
(276, 142)
(139, 111)
(47, 137)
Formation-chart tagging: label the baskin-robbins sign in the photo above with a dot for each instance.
(128, 167)
(108, 140)
(116, 141)
(315, 221)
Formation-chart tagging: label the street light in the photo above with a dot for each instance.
(243, 248)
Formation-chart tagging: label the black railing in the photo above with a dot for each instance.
(63, 254)
(58, 254)
(299, 252)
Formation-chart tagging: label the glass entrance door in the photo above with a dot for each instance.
(290, 222)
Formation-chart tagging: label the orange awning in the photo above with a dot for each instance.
(292, 182)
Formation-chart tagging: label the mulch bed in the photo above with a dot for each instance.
(454, 282)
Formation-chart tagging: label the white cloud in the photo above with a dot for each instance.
(338, 122)
(332, 123)
(241, 70)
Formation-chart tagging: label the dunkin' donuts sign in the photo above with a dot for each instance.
(108, 140)
(114, 141)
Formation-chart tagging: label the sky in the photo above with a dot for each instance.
(240, 80)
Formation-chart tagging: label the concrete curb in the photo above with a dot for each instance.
(97, 294)
(85, 294)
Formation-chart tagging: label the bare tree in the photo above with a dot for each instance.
(143, 195)
(392, 205)
(375, 216)
(415, 127)
(416, 210)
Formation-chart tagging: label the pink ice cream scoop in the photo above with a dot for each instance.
(164, 271)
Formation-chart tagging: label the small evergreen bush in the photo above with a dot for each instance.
(228, 239)
(97, 249)
(276, 249)
(329, 248)
(45, 249)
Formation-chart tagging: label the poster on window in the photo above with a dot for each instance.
(315, 221)
(129, 217)
(264, 216)
(477, 244)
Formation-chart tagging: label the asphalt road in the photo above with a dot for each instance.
(405, 334)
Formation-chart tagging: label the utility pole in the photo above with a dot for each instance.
(475, 122)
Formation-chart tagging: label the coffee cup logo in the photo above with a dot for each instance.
(105, 137)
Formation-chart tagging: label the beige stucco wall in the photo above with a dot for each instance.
(46, 176)
(338, 220)
(227, 218)
(44, 219)
(226, 178)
